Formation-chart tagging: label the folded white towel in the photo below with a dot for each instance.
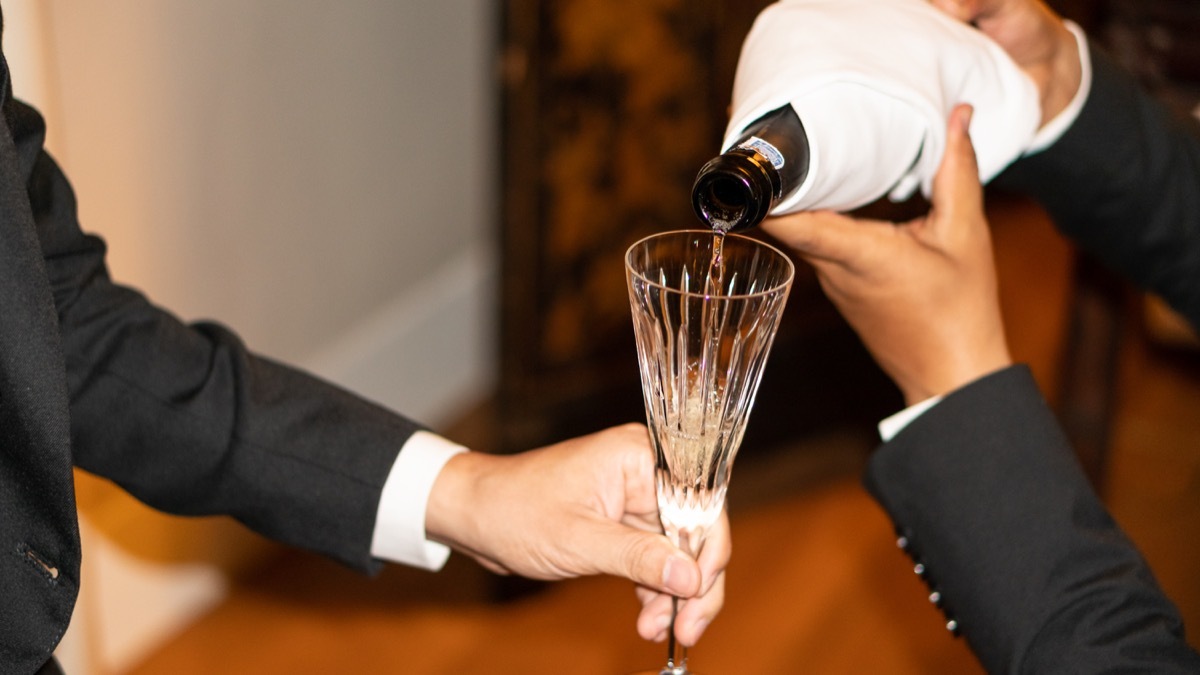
(873, 82)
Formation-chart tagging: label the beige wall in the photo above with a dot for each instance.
(315, 174)
(290, 167)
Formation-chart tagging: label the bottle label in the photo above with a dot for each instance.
(765, 149)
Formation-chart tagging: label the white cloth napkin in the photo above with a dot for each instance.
(873, 82)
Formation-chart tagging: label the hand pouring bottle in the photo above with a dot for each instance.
(837, 103)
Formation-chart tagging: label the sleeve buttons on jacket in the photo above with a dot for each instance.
(905, 542)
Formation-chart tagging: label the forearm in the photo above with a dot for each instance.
(189, 421)
(1028, 563)
(1124, 182)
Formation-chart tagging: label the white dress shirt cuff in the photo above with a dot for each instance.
(893, 425)
(1055, 128)
(400, 522)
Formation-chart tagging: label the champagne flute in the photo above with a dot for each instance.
(706, 306)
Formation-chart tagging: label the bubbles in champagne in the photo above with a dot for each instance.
(702, 338)
(692, 473)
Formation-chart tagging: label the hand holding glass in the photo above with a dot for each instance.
(706, 307)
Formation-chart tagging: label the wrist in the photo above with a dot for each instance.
(451, 514)
(954, 372)
(1064, 72)
(1041, 44)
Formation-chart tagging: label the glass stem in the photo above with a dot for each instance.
(676, 653)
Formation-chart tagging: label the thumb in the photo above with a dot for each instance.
(957, 194)
(647, 559)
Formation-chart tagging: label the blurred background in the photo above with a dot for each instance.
(428, 203)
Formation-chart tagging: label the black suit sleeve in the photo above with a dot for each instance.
(184, 417)
(1124, 183)
(990, 500)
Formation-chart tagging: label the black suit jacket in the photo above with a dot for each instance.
(985, 492)
(989, 499)
(182, 416)
(1124, 183)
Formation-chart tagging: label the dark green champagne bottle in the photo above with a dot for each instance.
(738, 188)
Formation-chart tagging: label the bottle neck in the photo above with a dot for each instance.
(736, 190)
(769, 161)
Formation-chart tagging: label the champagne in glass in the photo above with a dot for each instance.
(705, 307)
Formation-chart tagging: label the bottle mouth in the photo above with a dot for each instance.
(734, 191)
(726, 198)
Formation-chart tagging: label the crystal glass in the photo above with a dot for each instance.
(706, 307)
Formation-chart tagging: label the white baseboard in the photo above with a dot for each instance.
(128, 606)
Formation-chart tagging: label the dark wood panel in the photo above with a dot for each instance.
(610, 108)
